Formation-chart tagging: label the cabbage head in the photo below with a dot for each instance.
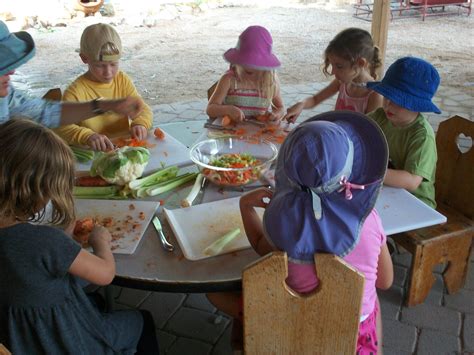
(120, 166)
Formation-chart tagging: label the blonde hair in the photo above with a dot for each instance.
(36, 166)
(352, 44)
(266, 85)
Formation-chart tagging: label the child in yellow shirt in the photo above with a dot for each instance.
(101, 49)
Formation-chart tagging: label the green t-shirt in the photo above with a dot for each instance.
(413, 149)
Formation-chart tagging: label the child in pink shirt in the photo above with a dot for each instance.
(328, 176)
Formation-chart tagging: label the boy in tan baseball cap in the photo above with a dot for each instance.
(101, 49)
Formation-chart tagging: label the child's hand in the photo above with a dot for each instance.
(100, 238)
(276, 116)
(100, 142)
(236, 114)
(139, 132)
(293, 112)
(256, 198)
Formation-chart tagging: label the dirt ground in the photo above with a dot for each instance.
(179, 59)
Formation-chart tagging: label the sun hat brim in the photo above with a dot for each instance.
(289, 219)
(264, 62)
(24, 57)
(403, 99)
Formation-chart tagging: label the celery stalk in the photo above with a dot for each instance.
(216, 247)
(170, 184)
(97, 192)
(152, 179)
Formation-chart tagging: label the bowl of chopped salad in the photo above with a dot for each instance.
(233, 161)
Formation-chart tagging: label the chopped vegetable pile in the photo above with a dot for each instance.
(235, 177)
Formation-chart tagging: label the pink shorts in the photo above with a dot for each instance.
(367, 343)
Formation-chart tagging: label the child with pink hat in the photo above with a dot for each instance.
(250, 87)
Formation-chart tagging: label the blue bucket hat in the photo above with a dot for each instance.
(410, 83)
(328, 175)
(15, 49)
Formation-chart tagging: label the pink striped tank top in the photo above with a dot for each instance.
(249, 101)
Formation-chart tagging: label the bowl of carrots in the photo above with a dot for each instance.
(233, 161)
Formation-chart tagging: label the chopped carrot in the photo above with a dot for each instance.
(263, 117)
(159, 133)
(226, 121)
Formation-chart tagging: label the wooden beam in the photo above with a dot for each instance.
(380, 21)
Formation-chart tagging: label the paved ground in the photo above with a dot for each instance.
(189, 324)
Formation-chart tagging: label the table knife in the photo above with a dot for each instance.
(218, 127)
(164, 242)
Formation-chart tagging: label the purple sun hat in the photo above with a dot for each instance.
(328, 176)
(254, 50)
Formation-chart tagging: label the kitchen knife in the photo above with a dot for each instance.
(164, 242)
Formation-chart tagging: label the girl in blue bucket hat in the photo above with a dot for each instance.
(408, 88)
(250, 88)
(328, 176)
(15, 50)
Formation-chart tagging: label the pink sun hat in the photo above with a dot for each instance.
(254, 50)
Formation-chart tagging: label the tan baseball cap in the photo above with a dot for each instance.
(100, 42)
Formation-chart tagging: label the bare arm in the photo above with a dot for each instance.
(216, 107)
(73, 112)
(384, 269)
(312, 101)
(402, 179)
(278, 108)
(252, 223)
(97, 268)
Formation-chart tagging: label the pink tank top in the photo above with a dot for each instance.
(364, 258)
(346, 102)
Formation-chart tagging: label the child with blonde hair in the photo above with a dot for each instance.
(353, 60)
(324, 203)
(101, 50)
(250, 87)
(43, 308)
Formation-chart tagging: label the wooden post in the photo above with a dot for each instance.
(380, 21)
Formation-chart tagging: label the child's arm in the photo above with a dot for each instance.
(375, 101)
(384, 269)
(310, 102)
(252, 223)
(97, 268)
(402, 179)
(278, 108)
(215, 106)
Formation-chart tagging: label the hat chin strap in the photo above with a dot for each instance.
(335, 183)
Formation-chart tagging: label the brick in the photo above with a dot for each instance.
(391, 302)
(132, 297)
(189, 346)
(435, 296)
(165, 340)
(462, 301)
(223, 345)
(199, 301)
(433, 317)
(399, 275)
(402, 259)
(163, 305)
(399, 336)
(436, 342)
(196, 324)
(391, 351)
(468, 333)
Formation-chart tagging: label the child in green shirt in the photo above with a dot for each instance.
(408, 87)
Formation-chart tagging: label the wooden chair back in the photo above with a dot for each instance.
(455, 169)
(53, 95)
(211, 90)
(278, 320)
(4, 350)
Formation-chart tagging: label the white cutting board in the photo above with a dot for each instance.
(128, 237)
(196, 227)
(166, 152)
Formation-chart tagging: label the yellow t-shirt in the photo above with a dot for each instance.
(109, 123)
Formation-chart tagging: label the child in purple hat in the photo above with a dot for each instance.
(325, 203)
(408, 87)
(250, 87)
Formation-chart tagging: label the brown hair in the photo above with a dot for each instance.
(36, 166)
(352, 44)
